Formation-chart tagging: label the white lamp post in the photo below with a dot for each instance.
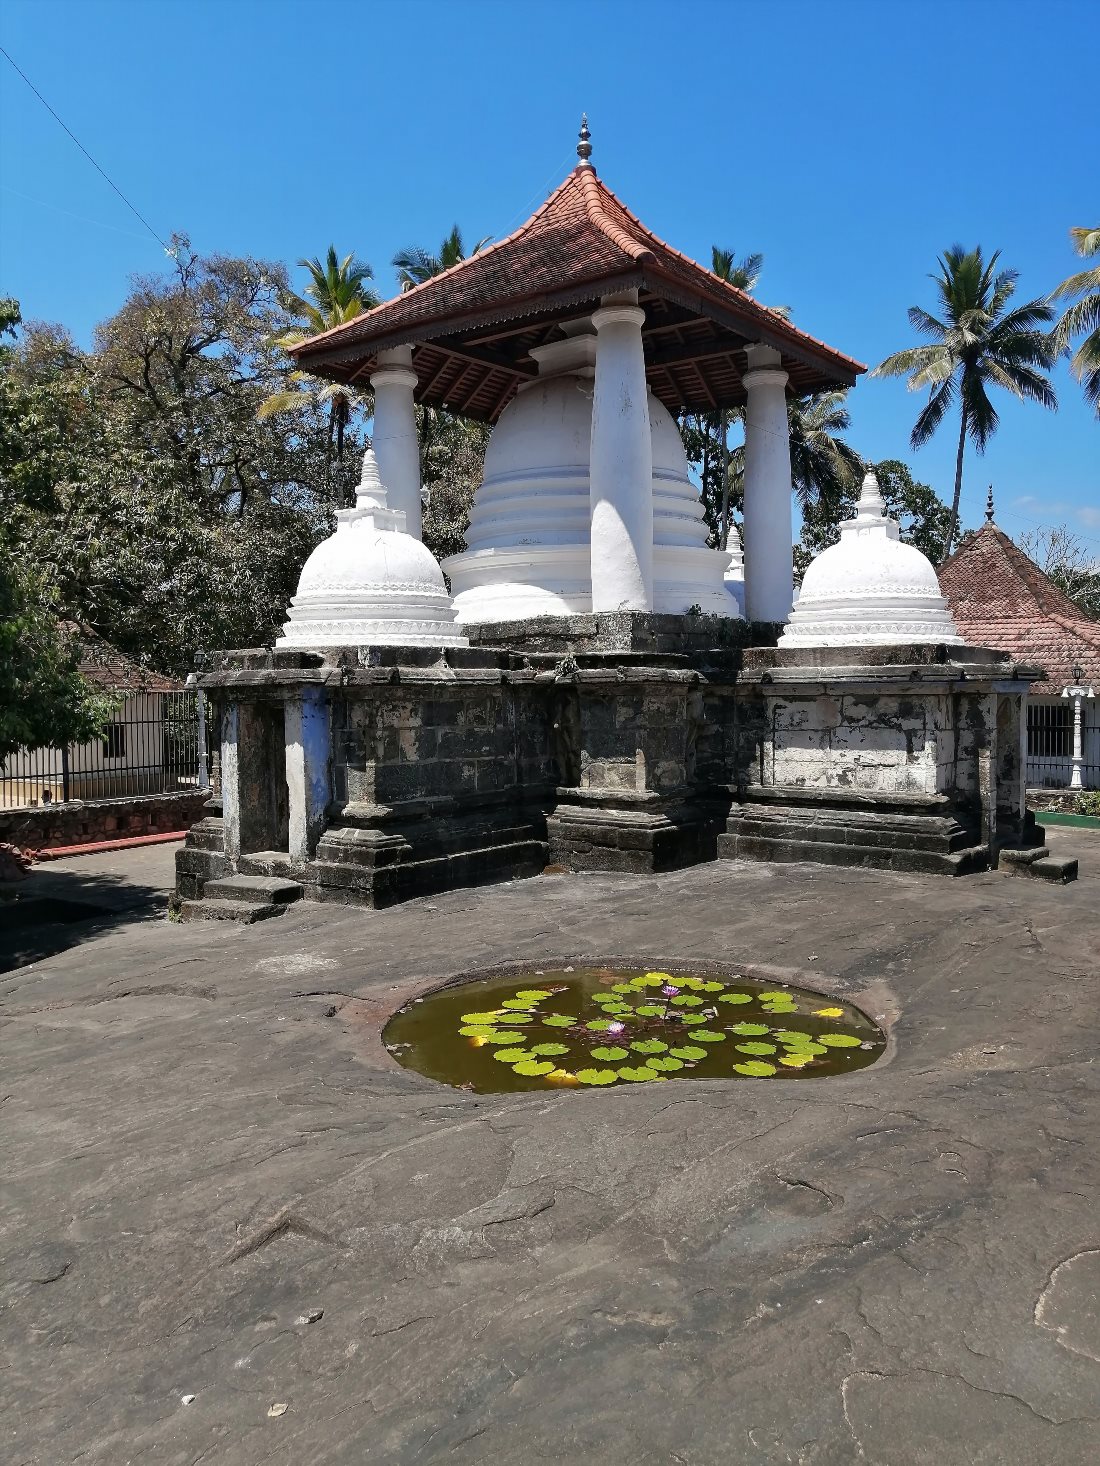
(1078, 692)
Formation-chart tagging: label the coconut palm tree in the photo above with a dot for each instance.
(337, 292)
(415, 265)
(979, 343)
(1083, 315)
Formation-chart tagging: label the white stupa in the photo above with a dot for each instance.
(869, 589)
(529, 542)
(370, 583)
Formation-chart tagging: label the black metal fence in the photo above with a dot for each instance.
(1056, 773)
(156, 743)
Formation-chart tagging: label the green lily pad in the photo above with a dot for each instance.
(549, 1049)
(706, 1036)
(512, 1056)
(535, 995)
(599, 1025)
(596, 1076)
(695, 983)
(655, 979)
(609, 1055)
(687, 1000)
(797, 1060)
(649, 1010)
(688, 1052)
(517, 1003)
(791, 1036)
(649, 1046)
(782, 997)
(810, 1048)
(622, 987)
(663, 1063)
(750, 1030)
(735, 998)
(712, 987)
(690, 1018)
(487, 1018)
(639, 1076)
(752, 1047)
(494, 1035)
(840, 1040)
(532, 1068)
(754, 1068)
(559, 1020)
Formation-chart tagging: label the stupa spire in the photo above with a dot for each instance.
(584, 143)
(989, 506)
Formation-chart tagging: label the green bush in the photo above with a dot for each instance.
(1088, 803)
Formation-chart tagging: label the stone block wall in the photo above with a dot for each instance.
(865, 740)
(397, 742)
(52, 826)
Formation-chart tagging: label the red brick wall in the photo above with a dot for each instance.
(77, 823)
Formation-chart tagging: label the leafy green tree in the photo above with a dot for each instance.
(453, 461)
(337, 293)
(978, 343)
(414, 265)
(923, 516)
(159, 511)
(44, 701)
(1083, 317)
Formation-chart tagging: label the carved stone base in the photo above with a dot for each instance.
(376, 856)
(906, 832)
(616, 830)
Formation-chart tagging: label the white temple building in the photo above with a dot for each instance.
(580, 337)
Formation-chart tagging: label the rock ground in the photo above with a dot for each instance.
(217, 1184)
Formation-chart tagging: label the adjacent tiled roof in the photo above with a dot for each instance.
(582, 243)
(1000, 598)
(112, 670)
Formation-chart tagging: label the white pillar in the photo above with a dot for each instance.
(621, 464)
(394, 440)
(769, 557)
(1078, 693)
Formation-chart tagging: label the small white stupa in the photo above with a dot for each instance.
(370, 583)
(869, 589)
(735, 570)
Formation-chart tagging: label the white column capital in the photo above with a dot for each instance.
(763, 377)
(393, 376)
(624, 315)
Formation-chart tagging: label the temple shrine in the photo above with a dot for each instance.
(598, 688)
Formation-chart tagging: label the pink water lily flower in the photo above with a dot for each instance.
(669, 991)
(615, 1027)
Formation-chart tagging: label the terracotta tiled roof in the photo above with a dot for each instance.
(583, 242)
(112, 670)
(1002, 599)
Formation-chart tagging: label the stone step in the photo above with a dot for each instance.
(244, 911)
(270, 890)
(1009, 857)
(1039, 864)
(266, 863)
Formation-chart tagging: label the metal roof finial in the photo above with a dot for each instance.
(989, 506)
(584, 144)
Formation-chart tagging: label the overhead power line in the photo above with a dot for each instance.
(136, 212)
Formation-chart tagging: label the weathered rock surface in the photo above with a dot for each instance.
(206, 1147)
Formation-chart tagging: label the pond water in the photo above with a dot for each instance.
(593, 1027)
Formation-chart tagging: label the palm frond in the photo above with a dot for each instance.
(932, 413)
(281, 402)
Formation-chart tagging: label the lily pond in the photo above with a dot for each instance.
(598, 1026)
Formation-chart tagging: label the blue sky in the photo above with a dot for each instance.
(851, 142)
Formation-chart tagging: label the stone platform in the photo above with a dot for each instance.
(218, 1185)
(620, 742)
